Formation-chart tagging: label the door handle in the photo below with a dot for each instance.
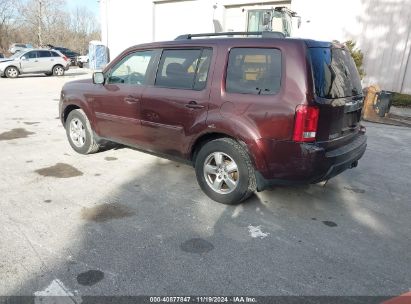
(193, 105)
(131, 99)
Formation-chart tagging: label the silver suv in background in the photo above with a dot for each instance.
(18, 47)
(49, 62)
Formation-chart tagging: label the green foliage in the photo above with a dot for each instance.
(357, 55)
(401, 100)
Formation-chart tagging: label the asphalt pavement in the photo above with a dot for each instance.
(122, 222)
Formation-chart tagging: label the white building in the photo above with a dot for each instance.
(381, 28)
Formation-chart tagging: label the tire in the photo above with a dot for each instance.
(58, 70)
(224, 171)
(49, 73)
(11, 72)
(80, 65)
(80, 134)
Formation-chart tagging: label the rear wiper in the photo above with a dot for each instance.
(260, 90)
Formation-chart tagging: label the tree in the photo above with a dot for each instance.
(45, 20)
(8, 10)
(357, 55)
(84, 27)
(42, 22)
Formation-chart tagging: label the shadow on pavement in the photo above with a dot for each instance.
(157, 234)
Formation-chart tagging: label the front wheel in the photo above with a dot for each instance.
(79, 133)
(224, 171)
(58, 70)
(11, 72)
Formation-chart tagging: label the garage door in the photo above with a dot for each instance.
(175, 18)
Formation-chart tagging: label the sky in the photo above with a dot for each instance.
(92, 5)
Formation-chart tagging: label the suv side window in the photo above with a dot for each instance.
(43, 54)
(184, 69)
(254, 71)
(54, 54)
(132, 69)
(31, 55)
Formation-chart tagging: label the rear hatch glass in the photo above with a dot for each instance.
(335, 73)
(336, 77)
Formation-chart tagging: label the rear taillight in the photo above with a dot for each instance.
(305, 125)
(65, 58)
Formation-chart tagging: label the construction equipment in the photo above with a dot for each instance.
(279, 19)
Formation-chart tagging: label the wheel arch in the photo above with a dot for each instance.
(12, 66)
(252, 150)
(203, 139)
(71, 103)
(67, 111)
(57, 64)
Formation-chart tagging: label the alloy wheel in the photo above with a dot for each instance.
(221, 172)
(12, 72)
(77, 132)
(59, 71)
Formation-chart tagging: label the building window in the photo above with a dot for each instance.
(184, 69)
(254, 71)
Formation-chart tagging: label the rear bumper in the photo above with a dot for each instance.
(344, 158)
(312, 164)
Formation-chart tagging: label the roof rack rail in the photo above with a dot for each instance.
(264, 34)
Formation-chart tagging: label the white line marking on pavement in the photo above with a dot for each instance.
(55, 289)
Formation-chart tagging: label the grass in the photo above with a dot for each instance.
(401, 100)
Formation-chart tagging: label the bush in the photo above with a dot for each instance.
(401, 100)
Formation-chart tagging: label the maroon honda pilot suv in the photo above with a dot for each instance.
(248, 113)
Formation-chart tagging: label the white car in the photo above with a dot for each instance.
(18, 47)
(49, 62)
(81, 60)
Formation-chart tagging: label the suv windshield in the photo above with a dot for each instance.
(335, 73)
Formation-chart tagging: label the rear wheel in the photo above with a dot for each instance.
(58, 70)
(225, 172)
(80, 133)
(11, 72)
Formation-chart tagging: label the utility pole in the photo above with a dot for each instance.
(40, 19)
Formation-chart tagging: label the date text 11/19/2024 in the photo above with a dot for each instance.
(203, 299)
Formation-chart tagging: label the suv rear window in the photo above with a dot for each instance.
(254, 71)
(335, 73)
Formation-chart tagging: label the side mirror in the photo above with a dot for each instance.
(23, 58)
(98, 78)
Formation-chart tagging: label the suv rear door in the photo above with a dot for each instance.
(176, 106)
(45, 61)
(338, 92)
